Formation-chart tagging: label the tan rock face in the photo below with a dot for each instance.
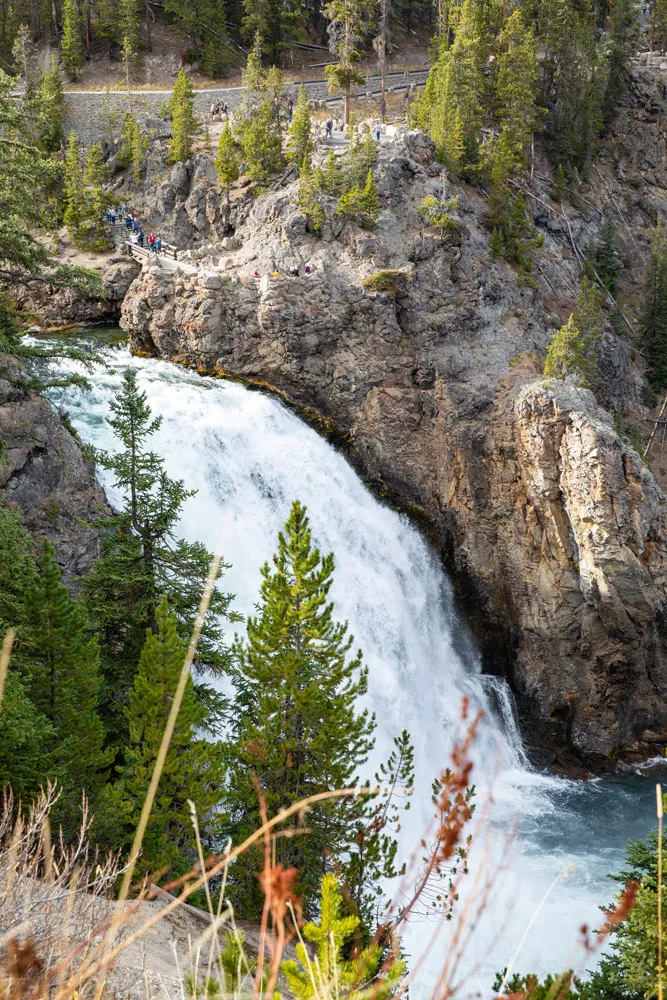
(553, 527)
(581, 559)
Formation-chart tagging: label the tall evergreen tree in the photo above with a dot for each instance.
(64, 685)
(183, 119)
(227, 161)
(74, 191)
(94, 236)
(574, 80)
(347, 23)
(51, 110)
(261, 141)
(653, 323)
(71, 50)
(129, 22)
(659, 25)
(277, 22)
(608, 262)
(193, 768)
(296, 726)
(256, 125)
(26, 735)
(107, 28)
(624, 35)
(204, 23)
(26, 742)
(300, 143)
(516, 86)
(450, 107)
(142, 559)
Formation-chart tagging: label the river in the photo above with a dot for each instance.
(249, 458)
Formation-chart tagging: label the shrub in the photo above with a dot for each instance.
(436, 213)
(383, 281)
(568, 355)
(361, 205)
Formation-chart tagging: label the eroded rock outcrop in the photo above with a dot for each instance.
(45, 475)
(552, 524)
(57, 307)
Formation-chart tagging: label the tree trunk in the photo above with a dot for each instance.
(346, 105)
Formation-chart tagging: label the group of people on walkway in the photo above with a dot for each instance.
(135, 234)
(376, 130)
(220, 109)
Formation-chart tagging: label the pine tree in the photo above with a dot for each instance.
(295, 724)
(357, 978)
(51, 109)
(25, 254)
(74, 191)
(261, 142)
(381, 46)
(624, 20)
(332, 176)
(133, 146)
(64, 685)
(629, 969)
(520, 237)
(277, 22)
(256, 124)
(653, 323)
(516, 86)
(22, 50)
(107, 28)
(228, 161)
(574, 79)
(496, 243)
(129, 22)
(138, 153)
(183, 121)
(588, 313)
(300, 142)
(371, 204)
(347, 23)
(26, 741)
(451, 107)
(309, 203)
(568, 356)
(142, 560)
(608, 257)
(26, 736)
(193, 767)
(93, 234)
(17, 575)
(71, 51)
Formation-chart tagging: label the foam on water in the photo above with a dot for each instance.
(249, 458)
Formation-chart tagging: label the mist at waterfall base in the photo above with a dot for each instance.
(248, 457)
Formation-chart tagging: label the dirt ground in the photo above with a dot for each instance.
(159, 63)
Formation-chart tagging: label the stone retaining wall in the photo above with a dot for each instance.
(91, 114)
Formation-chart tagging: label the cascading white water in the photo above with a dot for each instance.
(249, 458)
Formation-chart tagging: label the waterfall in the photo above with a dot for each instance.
(249, 458)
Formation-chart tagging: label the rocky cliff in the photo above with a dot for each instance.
(552, 524)
(45, 475)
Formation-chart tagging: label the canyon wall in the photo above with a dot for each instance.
(552, 524)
